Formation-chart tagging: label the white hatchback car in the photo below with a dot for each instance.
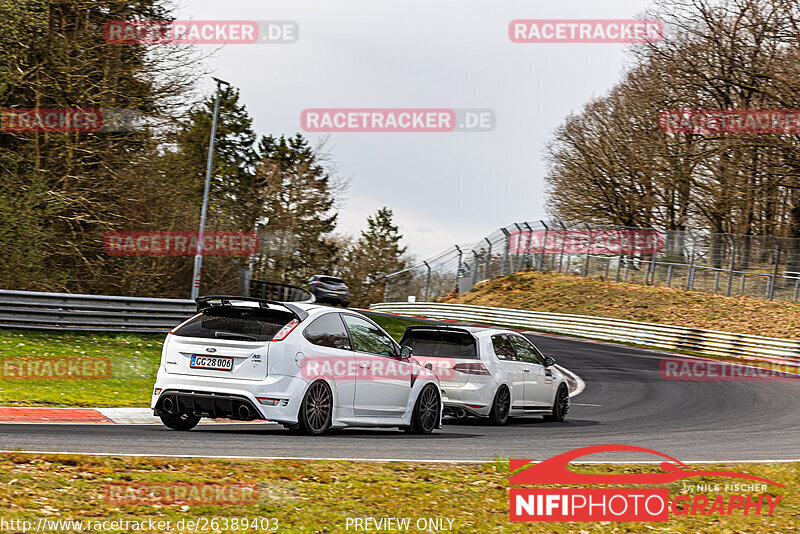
(490, 372)
(306, 366)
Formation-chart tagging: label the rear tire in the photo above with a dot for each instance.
(560, 405)
(425, 417)
(501, 407)
(180, 421)
(316, 409)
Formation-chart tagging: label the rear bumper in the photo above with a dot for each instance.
(207, 404)
(215, 398)
(474, 398)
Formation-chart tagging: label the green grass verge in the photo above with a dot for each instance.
(134, 363)
(319, 496)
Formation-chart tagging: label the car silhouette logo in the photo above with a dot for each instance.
(211, 349)
(554, 470)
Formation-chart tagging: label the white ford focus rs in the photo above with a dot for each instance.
(490, 372)
(306, 366)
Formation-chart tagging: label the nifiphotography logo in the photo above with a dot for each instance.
(628, 504)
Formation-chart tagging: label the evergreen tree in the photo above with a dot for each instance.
(376, 253)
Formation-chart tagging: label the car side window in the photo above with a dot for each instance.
(369, 338)
(328, 331)
(503, 348)
(526, 352)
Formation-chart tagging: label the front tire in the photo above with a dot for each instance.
(560, 405)
(425, 417)
(180, 421)
(316, 409)
(501, 407)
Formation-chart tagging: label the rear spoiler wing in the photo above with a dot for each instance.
(204, 303)
(437, 328)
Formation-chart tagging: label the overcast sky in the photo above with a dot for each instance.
(444, 188)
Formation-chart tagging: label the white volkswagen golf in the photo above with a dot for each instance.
(490, 372)
(306, 366)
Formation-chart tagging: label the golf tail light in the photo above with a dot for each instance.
(268, 401)
(157, 392)
(286, 330)
(471, 368)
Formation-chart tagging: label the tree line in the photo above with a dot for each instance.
(613, 162)
(62, 192)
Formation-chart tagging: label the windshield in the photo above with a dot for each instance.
(256, 324)
(436, 344)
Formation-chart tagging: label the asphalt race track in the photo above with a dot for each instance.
(625, 401)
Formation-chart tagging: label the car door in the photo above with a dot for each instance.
(383, 384)
(538, 380)
(331, 355)
(511, 369)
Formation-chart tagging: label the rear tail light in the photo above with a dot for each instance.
(157, 392)
(316, 283)
(268, 401)
(471, 368)
(345, 287)
(286, 330)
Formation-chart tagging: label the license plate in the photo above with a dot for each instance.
(220, 363)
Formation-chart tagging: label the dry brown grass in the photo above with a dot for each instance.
(569, 294)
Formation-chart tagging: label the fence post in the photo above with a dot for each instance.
(504, 268)
(488, 259)
(563, 244)
(653, 259)
(386, 289)
(458, 270)
(515, 264)
(528, 243)
(544, 244)
(619, 265)
(588, 251)
(476, 267)
(732, 239)
(690, 280)
(244, 280)
(774, 278)
(427, 282)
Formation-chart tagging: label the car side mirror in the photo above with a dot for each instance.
(405, 352)
(549, 362)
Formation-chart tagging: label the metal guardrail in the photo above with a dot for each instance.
(104, 313)
(279, 292)
(91, 313)
(661, 336)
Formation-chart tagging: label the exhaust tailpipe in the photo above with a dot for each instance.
(168, 405)
(461, 413)
(244, 412)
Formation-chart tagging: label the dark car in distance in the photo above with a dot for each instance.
(329, 289)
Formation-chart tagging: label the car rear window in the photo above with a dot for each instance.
(330, 280)
(441, 344)
(257, 323)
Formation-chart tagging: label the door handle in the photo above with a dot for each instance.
(363, 365)
(526, 370)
